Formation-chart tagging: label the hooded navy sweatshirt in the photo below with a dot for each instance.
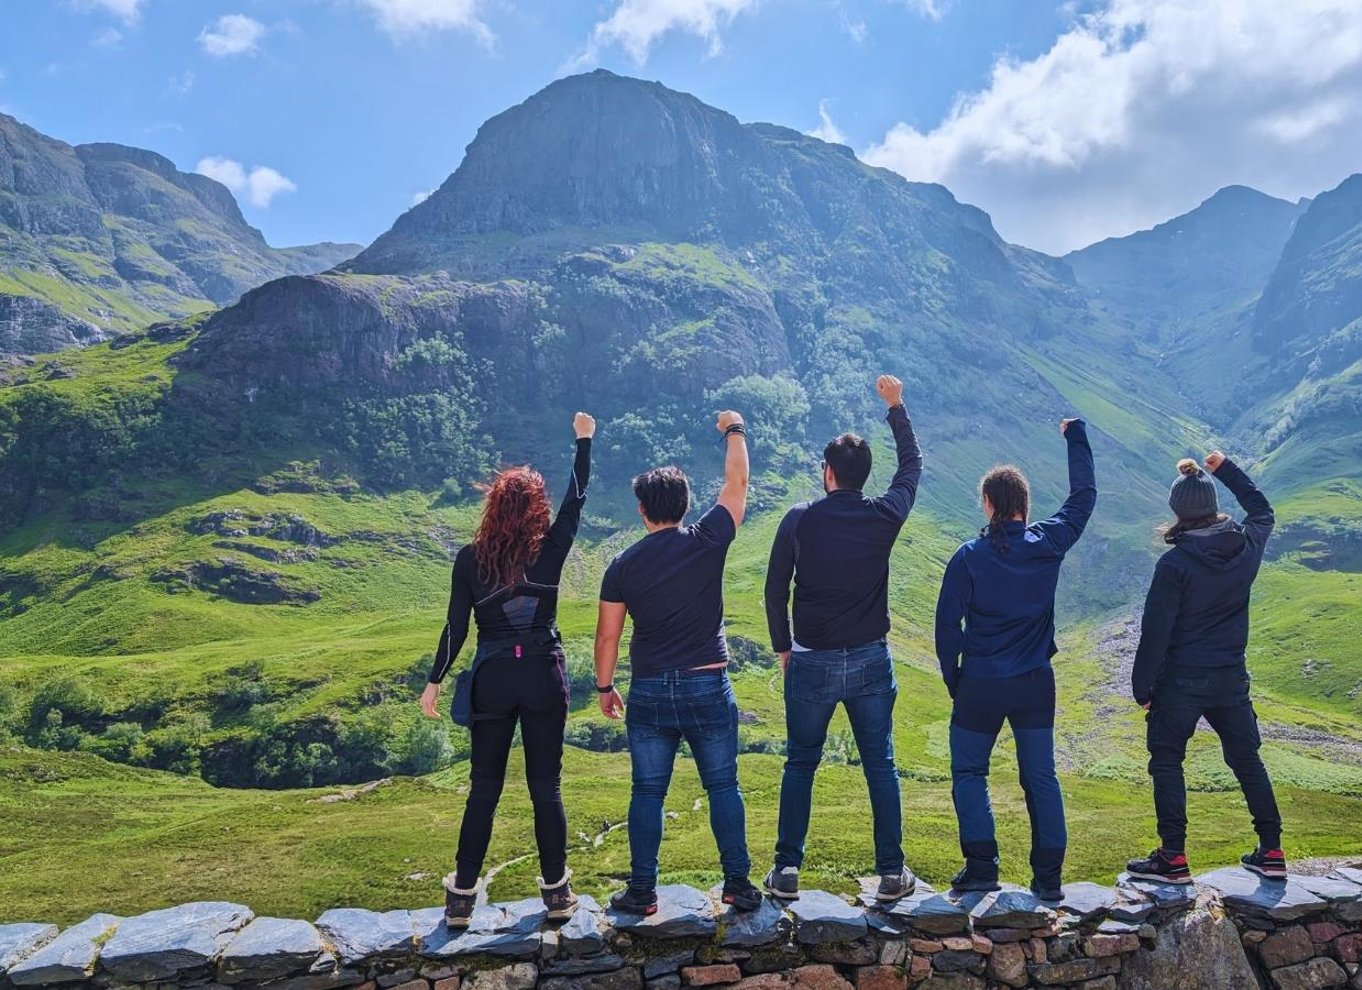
(1197, 610)
(1005, 597)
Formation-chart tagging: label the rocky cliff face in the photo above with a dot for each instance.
(103, 238)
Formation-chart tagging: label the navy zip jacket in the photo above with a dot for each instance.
(1197, 610)
(836, 549)
(1005, 597)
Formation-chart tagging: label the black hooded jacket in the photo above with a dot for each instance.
(1197, 611)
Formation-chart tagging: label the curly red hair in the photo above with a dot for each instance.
(515, 521)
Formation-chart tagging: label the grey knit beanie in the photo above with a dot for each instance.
(1193, 494)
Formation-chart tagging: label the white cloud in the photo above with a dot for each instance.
(855, 29)
(636, 25)
(1142, 108)
(827, 129)
(933, 10)
(180, 85)
(110, 37)
(127, 10)
(405, 19)
(260, 184)
(232, 34)
(418, 198)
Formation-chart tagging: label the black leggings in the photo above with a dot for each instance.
(530, 691)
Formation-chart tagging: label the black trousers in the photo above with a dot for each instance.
(530, 692)
(1220, 694)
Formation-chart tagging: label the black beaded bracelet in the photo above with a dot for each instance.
(735, 428)
(605, 690)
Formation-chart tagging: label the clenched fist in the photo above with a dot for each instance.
(1213, 461)
(729, 418)
(1064, 424)
(583, 425)
(890, 389)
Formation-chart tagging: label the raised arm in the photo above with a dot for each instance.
(733, 495)
(564, 528)
(1065, 527)
(779, 572)
(1259, 519)
(455, 632)
(902, 491)
(951, 606)
(1156, 630)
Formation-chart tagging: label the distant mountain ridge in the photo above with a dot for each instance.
(99, 239)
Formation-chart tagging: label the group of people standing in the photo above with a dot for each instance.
(995, 631)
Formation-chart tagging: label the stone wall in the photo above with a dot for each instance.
(1230, 931)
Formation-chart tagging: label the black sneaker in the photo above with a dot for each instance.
(459, 903)
(1270, 863)
(896, 885)
(783, 882)
(1161, 867)
(975, 876)
(559, 900)
(635, 900)
(1047, 890)
(739, 892)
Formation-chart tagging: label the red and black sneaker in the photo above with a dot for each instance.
(1161, 867)
(635, 900)
(1270, 863)
(739, 892)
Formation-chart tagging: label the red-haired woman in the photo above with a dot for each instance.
(508, 579)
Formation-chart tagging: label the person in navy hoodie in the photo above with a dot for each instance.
(1190, 662)
(995, 636)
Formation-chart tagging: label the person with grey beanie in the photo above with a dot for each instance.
(1191, 660)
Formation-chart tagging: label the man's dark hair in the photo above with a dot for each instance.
(664, 494)
(849, 458)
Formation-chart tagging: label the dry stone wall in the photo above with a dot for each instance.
(1229, 931)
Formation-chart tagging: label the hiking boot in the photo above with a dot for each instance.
(896, 885)
(559, 900)
(783, 882)
(635, 900)
(1270, 863)
(1047, 890)
(976, 876)
(739, 892)
(459, 903)
(1161, 866)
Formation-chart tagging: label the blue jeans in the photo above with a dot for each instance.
(862, 679)
(699, 707)
(1027, 703)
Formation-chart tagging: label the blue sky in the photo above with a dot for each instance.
(1066, 121)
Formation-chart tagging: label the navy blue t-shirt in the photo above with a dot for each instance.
(672, 584)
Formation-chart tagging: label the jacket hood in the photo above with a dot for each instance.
(1220, 546)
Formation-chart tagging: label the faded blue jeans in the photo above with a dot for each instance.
(698, 707)
(862, 679)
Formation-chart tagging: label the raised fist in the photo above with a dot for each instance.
(584, 425)
(1064, 424)
(890, 389)
(729, 418)
(1213, 461)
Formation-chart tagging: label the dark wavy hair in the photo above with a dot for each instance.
(664, 494)
(1008, 492)
(515, 521)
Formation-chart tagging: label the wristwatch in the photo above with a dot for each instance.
(605, 690)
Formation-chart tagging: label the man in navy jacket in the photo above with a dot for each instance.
(836, 549)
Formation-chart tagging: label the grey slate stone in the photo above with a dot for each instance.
(1011, 907)
(1164, 895)
(620, 979)
(671, 962)
(585, 933)
(1132, 904)
(823, 917)
(1247, 892)
(67, 958)
(358, 934)
(17, 941)
(1087, 900)
(682, 911)
(507, 930)
(160, 945)
(581, 966)
(763, 926)
(1332, 889)
(924, 909)
(1353, 874)
(269, 948)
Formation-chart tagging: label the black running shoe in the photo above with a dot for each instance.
(739, 892)
(635, 900)
(459, 903)
(559, 900)
(1161, 867)
(783, 882)
(974, 876)
(1270, 863)
(1047, 890)
(896, 885)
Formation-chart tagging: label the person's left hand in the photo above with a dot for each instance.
(430, 697)
(584, 425)
(890, 389)
(784, 658)
(1064, 424)
(728, 418)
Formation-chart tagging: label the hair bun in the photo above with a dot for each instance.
(1189, 467)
